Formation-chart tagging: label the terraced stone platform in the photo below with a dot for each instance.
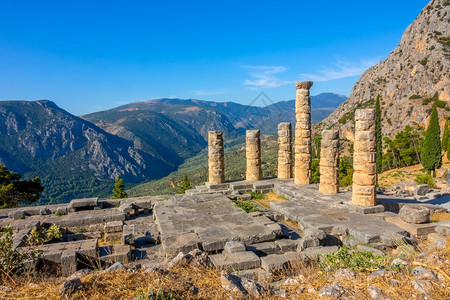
(207, 222)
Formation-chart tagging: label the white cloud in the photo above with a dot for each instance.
(209, 93)
(264, 76)
(341, 69)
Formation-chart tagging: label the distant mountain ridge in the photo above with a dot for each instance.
(81, 156)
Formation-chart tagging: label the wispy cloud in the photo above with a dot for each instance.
(209, 93)
(341, 69)
(265, 76)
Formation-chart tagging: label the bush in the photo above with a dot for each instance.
(354, 260)
(425, 179)
(16, 260)
(247, 205)
(415, 96)
(259, 196)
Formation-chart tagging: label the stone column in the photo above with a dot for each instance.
(284, 150)
(329, 162)
(364, 158)
(253, 154)
(302, 170)
(216, 157)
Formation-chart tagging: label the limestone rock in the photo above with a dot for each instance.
(71, 284)
(332, 290)
(423, 286)
(376, 293)
(240, 285)
(415, 214)
(116, 267)
(342, 274)
(423, 274)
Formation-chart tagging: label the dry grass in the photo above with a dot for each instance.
(438, 217)
(187, 282)
(270, 197)
(409, 173)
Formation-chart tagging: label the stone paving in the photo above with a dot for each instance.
(153, 230)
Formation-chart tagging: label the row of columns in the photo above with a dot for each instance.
(364, 163)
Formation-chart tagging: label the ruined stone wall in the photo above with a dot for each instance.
(329, 162)
(284, 150)
(253, 154)
(364, 158)
(216, 158)
(303, 133)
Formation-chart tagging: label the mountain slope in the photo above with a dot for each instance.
(73, 157)
(407, 79)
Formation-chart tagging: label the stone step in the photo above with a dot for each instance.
(236, 261)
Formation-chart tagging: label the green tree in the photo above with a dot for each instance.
(15, 191)
(379, 155)
(431, 151)
(118, 191)
(315, 171)
(345, 171)
(448, 149)
(185, 185)
(446, 134)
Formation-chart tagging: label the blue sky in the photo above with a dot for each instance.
(94, 55)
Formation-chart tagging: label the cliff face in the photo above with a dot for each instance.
(417, 69)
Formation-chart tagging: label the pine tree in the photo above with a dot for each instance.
(431, 151)
(118, 191)
(379, 155)
(185, 185)
(448, 149)
(446, 134)
(15, 191)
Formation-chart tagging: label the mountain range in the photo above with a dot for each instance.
(81, 156)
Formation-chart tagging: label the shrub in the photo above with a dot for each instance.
(259, 196)
(415, 97)
(247, 205)
(354, 260)
(16, 260)
(425, 179)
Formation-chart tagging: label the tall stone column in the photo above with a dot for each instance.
(216, 163)
(302, 170)
(329, 162)
(284, 150)
(253, 154)
(364, 158)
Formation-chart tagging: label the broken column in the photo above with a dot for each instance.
(364, 158)
(284, 150)
(302, 170)
(253, 154)
(216, 163)
(329, 162)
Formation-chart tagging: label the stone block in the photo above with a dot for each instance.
(232, 247)
(115, 226)
(274, 262)
(421, 189)
(415, 214)
(217, 186)
(308, 242)
(286, 245)
(443, 228)
(262, 249)
(16, 214)
(77, 204)
(68, 263)
(312, 253)
(236, 261)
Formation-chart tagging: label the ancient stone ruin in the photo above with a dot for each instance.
(284, 150)
(329, 162)
(216, 158)
(364, 158)
(155, 229)
(253, 154)
(302, 170)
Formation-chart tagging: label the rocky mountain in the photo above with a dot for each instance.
(139, 141)
(413, 78)
(73, 157)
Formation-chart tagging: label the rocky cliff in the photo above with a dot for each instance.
(413, 78)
